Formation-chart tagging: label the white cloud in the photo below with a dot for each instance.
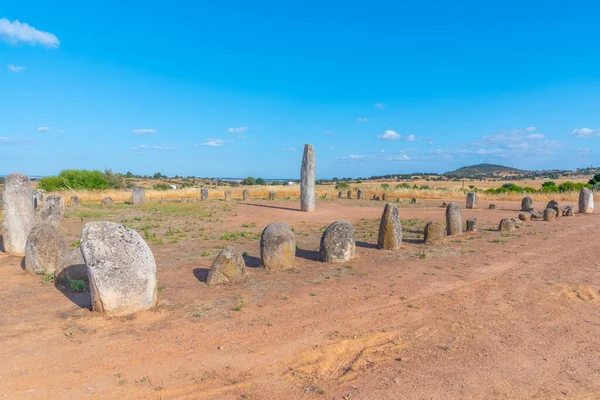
(536, 136)
(140, 147)
(389, 135)
(16, 32)
(411, 138)
(430, 143)
(9, 140)
(141, 132)
(167, 147)
(363, 120)
(239, 129)
(290, 149)
(43, 129)
(530, 129)
(397, 157)
(585, 133)
(213, 143)
(356, 156)
(379, 105)
(15, 68)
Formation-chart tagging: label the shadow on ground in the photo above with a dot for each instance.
(267, 206)
(201, 274)
(366, 245)
(308, 254)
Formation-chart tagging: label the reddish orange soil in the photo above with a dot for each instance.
(484, 316)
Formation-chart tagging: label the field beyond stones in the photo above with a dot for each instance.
(485, 315)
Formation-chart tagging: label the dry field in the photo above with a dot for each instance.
(483, 316)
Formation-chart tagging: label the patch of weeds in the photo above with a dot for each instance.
(312, 294)
(69, 334)
(160, 289)
(77, 285)
(498, 241)
(349, 267)
(422, 255)
(249, 225)
(75, 244)
(240, 303)
(205, 254)
(50, 278)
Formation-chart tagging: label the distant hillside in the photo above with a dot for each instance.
(480, 171)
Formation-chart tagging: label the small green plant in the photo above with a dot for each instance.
(77, 285)
(75, 244)
(422, 255)
(249, 225)
(48, 278)
(312, 294)
(205, 254)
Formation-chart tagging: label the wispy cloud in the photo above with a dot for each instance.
(144, 131)
(15, 32)
(139, 148)
(397, 157)
(362, 120)
(389, 135)
(165, 147)
(583, 133)
(10, 140)
(15, 68)
(379, 106)
(289, 149)
(328, 133)
(213, 143)
(239, 129)
(411, 138)
(536, 136)
(43, 129)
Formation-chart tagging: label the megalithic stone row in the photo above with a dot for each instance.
(338, 243)
(527, 204)
(138, 195)
(121, 269)
(204, 193)
(278, 247)
(45, 250)
(390, 229)
(586, 201)
(453, 219)
(434, 233)
(471, 200)
(228, 267)
(18, 213)
(308, 174)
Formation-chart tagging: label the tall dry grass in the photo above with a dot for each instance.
(262, 192)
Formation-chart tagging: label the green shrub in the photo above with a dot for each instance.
(75, 179)
(342, 186)
(162, 186)
(77, 285)
(403, 186)
(385, 186)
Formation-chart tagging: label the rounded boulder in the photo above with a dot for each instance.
(338, 243)
(278, 247)
(228, 267)
(45, 250)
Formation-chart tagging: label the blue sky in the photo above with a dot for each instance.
(237, 88)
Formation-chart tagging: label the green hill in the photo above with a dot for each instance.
(480, 171)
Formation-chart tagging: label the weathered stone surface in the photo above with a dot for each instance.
(549, 214)
(492, 206)
(453, 219)
(45, 249)
(557, 209)
(527, 204)
(586, 201)
(518, 223)
(107, 201)
(121, 269)
(349, 194)
(227, 194)
(434, 233)
(414, 200)
(390, 229)
(38, 197)
(471, 200)
(204, 193)
(327, 195)
(278, 247)
(272, 196)
(472, 224)
(537, 214)
(138, 195)
(228, 267)
(246, 194)
(337, 243)
(52, 210)
(506, 225)
(525, 216)
(360, 194)
(384, 197)
(340, 195)
(73, 268)
(18, 213)
(568, 211)
(74, 201)
(552, 204)
(308, 174)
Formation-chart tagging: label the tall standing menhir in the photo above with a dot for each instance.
(307, 177)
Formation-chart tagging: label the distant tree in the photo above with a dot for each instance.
(335, 179)
(129, 174)
(260, 181)
(157, 175)
(249, 181)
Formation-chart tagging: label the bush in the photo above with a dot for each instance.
(249, 181)
(385, 186)
(76, 180)
(115, 181)
(342, 186)
(403, 186)
(162, 186)
(260, 181)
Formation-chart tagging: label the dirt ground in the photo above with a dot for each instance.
(483, 316)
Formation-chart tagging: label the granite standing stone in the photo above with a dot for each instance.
(525, 216)
(73, 268)
(568, 211)
(18, 213)
(52, 210)
(390, 229)
(414, 200)
(246, 194)
(278, 247)
(227, 195)
(453, 219)
(492, 206)
(434, 233)
(586, 201)
(471, 200)
(138, 195)
(337, 243)
(204, 193)
(75, 201)
(228, 267)
(549, 214)
(45, 250)
(38, 197)
(340, 195)
(121, 269)
(527, 204)
(360, 195)
(506, 225)
(271, 195)
(107, 201)
(384, 197)
(307, 179)
(472, 224)
(349, 194)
